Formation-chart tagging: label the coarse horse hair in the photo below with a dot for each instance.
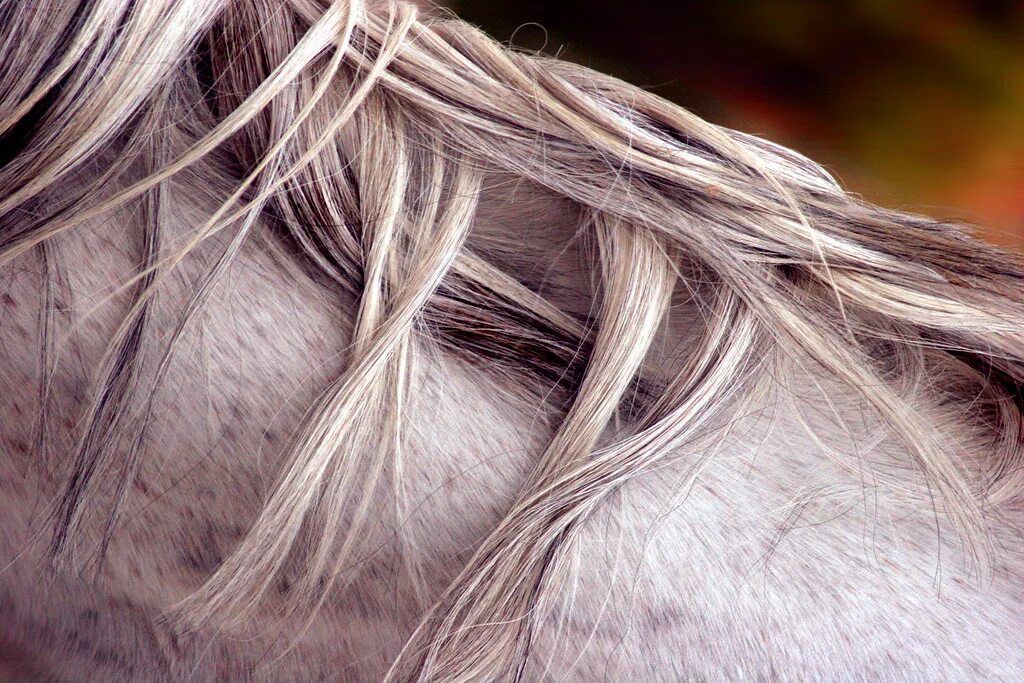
(358, 144)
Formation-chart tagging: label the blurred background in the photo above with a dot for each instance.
(915, 104)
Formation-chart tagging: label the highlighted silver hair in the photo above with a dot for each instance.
(365, 137)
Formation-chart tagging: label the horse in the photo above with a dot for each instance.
(341, 342)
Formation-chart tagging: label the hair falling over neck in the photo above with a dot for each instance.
(363, 137)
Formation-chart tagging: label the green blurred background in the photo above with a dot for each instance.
(915, 104)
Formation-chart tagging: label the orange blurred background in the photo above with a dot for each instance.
(915, 104)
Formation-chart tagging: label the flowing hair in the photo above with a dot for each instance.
(364, 137)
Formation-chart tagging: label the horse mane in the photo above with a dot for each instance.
(365, 138)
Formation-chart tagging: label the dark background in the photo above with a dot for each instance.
(916, 104)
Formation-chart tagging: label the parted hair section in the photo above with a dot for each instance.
(364, 137)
